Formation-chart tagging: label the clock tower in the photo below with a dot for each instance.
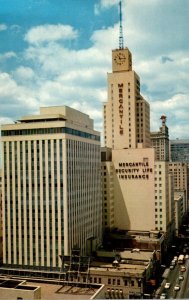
(121, 60)
(126, 113)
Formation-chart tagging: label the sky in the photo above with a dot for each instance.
(58, 52)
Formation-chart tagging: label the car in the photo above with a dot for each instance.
(167, 285)
(181, 277)
(163, 296)
(176, 287)
(173, 262)
(186, 256)
(175, 258)
(171, 267)
(182, 268)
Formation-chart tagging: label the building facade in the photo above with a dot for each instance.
(126, 113)
(179, 199)
(180, 175)
(164, 198)
(179, 150)
(133, 165)
(51, 187)
(125, 275)
(160, 141)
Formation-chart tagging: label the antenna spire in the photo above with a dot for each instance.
(120, 28)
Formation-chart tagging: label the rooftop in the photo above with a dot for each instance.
(58, 291)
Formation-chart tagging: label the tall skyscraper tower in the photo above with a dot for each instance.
(139, 197)
(51, 187)
(126, 114)
(127, 133)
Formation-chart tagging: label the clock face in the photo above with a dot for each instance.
(120, 58)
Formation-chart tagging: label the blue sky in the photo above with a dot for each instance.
(58, 52)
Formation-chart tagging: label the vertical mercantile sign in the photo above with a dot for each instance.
(120, 90)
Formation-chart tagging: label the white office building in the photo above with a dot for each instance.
(51, 187)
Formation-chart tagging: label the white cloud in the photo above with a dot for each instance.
(3, 27)
(104, 4)
(109, 3)
(15, 99)
(7, 55)
(176, 110)
(50, 33)
(24, 73)
(59, 76)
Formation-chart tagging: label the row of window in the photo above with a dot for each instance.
(111, 281)
(50, 131)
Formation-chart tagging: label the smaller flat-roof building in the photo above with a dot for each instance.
(127, 276)
(18, 289)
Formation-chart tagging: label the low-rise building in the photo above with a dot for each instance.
(18, 289)
(124, 274)
(129, 274)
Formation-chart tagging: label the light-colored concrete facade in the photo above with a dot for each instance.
(164, 197)
(17, 289)
(137, 182)
(180, 175)
(179, 198)
(51, 187)
(134, 188)
(126, 113)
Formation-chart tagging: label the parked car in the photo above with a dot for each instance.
(181, 277)
(167, 285)
(182, 268)
(163, 296)
(186, 256)
(175, 258)
(177, 287)
(171, 267)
